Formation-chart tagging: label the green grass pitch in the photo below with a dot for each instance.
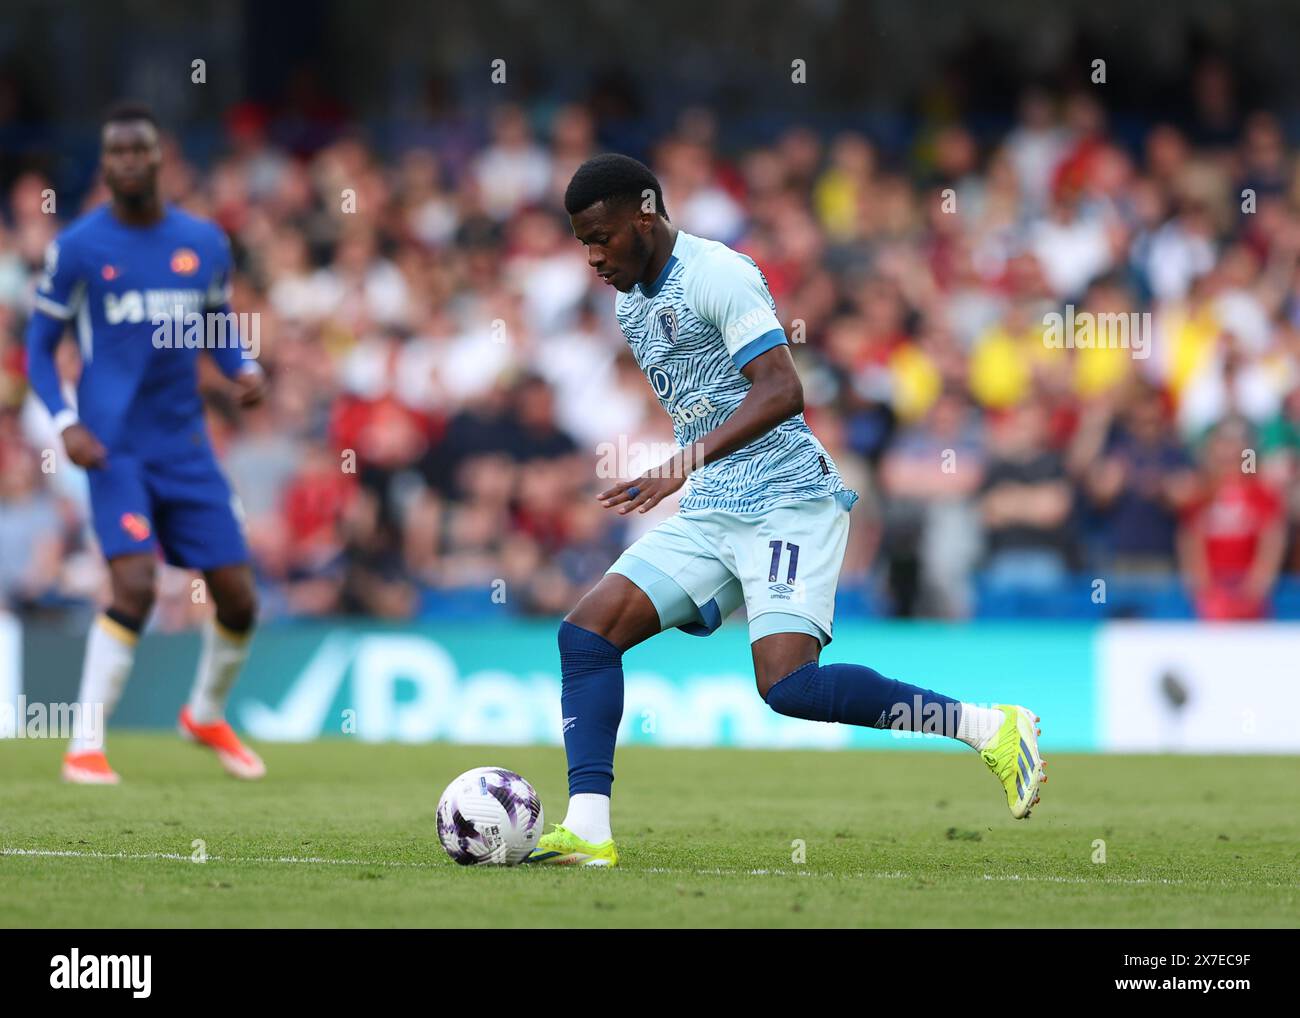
(342, 834)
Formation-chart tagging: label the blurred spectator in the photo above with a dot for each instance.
(31, 541)
(448, 379)
(1025, 500)
(513, 171)
(1279, 447)
(930, 476)
(1232, 537)
(1137, 482)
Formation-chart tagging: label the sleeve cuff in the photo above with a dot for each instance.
(762, 344)
(65, 419)
(52, 308)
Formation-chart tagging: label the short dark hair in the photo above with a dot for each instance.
(125, 112)
(611, 177)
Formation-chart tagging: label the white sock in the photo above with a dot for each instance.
(588, 817)
(110, 651)
(978, 725)
(220, 659)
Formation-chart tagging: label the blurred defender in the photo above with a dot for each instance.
(764, 522)
(137, 428)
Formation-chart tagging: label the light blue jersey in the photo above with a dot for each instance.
(708, 315)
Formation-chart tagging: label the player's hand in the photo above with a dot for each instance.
(643, 493)
(250, 387)
(83, 448)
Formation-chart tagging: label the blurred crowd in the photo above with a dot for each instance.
(445, 368)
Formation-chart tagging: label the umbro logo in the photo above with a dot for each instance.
(568, 723)
(781, 588)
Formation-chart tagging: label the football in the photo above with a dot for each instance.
(489, 816)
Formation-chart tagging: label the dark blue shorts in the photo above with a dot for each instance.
(183, 505)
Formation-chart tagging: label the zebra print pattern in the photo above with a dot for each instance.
(686, 360)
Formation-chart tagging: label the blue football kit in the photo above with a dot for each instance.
(141, 300)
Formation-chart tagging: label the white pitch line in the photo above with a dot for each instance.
(898, 875)
(1127, 881)
(179, 857)
(46, 853)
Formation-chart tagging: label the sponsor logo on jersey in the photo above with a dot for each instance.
(184, 261)
(742, 326)
(693, 412)
(660, 381)
(135, 524)
(135, 306)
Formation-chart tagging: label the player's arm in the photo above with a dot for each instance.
(734, 298)
(57, 295)
(232, 358)
(775, 395)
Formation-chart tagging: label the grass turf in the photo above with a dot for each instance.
(342, 834)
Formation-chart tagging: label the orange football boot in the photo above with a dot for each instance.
(238, 760)
(88, 767)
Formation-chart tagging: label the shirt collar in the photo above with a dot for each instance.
(654, 287)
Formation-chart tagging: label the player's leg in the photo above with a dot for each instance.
(225, 640)
(781, 654)
(121, 519)
(110, 653)
(632, 602)
(199, 528)
(225, 643)
(612, 617)
(790, 620)
(793, 682)
(1005, 736)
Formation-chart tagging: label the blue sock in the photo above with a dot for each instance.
(591, 701)
(856, 695)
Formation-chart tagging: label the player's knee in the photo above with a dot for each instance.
(133, 590)
(237, 607)
(767, 680)
(779, 656)
(801, 694)
(616, 610)
(591, 615)
(583, 650)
